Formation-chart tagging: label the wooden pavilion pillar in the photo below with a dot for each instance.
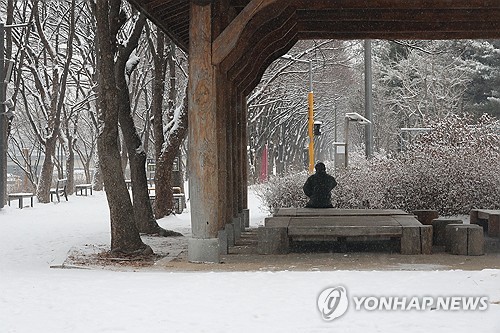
(207, 139)
(242, 160)
(218, 40)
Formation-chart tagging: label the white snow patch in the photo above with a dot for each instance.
(35, 298)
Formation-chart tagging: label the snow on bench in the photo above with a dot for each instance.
(20, 197)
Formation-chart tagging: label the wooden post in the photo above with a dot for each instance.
(206, 141)
(242, 102)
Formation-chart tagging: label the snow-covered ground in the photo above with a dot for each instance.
(37, 298)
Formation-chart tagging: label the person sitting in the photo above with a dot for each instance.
(318, 188)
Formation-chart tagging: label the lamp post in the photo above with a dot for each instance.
(356, 117)
(310, 117)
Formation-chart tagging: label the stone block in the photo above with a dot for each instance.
(465, 239)
(425, 216)
(203, 250)
(473, 216)
(230, 234)
(237, 228)
(475, 241)
(410, 240)
(456, 239)
(439, 230)
(426, 232)
(223, 244)
(246, 217)
(272, 240)
(494, 225)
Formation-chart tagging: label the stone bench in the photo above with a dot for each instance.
(465, 239)
(334, 225)
(20, 197)
(489, 219)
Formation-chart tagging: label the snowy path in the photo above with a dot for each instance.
(35, 298)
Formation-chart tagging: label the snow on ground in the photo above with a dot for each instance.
(37, 298)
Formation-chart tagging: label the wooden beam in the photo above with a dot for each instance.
(252, 39)
(393, 4)
(162, 23)
(268, 36)
(269, 49)
(394, 15)
(228, 39)
(396, 26)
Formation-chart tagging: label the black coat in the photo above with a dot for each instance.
(318, 188)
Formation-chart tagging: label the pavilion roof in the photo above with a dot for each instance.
(353, 19)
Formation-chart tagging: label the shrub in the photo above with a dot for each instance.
(452, 169)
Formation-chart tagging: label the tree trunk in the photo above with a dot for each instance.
(45, 179)
(97, 181)
(165, 156)
(124, 234)
(143, 211)
(70, 167)
(164, 195)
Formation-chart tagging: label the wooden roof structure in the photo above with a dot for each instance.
(352, 19)
(230, 45)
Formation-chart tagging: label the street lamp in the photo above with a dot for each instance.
(310, 99)
(355, 117)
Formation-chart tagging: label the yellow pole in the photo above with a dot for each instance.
(310, 98)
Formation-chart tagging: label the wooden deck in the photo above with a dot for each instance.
(306, 224)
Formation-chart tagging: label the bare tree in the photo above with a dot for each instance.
(125, 237)
(170, 127)
(277, 107)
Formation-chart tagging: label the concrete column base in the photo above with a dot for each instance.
(272, 240)
(223, 242)
(203, 250)
(246, 217)
(237, 228)
(230, 234)
(242, 221)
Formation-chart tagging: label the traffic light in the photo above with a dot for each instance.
(317, 127)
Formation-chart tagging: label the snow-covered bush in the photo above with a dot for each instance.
(452, 169)
(285, 191)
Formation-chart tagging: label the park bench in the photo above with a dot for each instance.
(59, 190)
(20, 197)
(179, 199)
(80, 187)
(306, 224)
(489, 219)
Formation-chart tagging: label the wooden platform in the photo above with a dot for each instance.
(307, 224)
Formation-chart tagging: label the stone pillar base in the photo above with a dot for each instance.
(237, 228)
(223, 242)
(246, 217)
(203, 250)
(230, 234)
